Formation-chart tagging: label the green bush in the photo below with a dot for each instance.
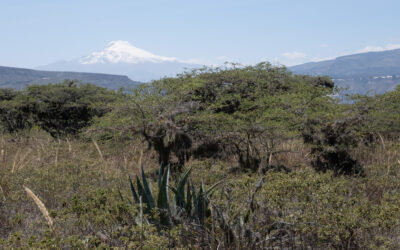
(233, 112)
(60, 109)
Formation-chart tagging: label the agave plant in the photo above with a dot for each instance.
(195, 206)
(145, 195)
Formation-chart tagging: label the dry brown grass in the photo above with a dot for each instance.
(45, 213)
(98, 150)
(41, 206)
(78, 159)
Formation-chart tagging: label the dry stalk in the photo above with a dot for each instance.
(134, 150)
(56, 159)
(41, 206)
(69, 146)
(141, 222)
(45, 213)
(15, 161)
(39, 157)
(125, 163)
(57, 149)
(21, 163)
(383, 142)
(98, 150)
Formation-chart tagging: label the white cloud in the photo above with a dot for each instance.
(372, 48)
(320, 59)
(324, 45)
(294, 55)
(393, 46)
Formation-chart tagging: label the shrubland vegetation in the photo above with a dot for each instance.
(217, 158)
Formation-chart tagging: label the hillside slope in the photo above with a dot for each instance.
(18, 78)
(366, 72)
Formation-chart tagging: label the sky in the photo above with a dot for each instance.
(289, 32)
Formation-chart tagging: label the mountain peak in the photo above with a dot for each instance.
(123, 52)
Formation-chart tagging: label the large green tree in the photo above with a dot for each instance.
(234, 111)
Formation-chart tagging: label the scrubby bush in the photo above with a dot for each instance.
(60, 109)
(382, 113)
(15, 111)
(331, 146)
(240, 112)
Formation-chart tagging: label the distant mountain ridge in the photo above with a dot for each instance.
(376, 72)
(122, 58)
(115, 66)
(19, 78)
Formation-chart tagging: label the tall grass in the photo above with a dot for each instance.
(299, 210)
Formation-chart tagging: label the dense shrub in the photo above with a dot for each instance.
(60, 109)
(15, 111)
(331, 146)
(240, 112)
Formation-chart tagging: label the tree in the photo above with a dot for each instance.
(382, 113)
(223, 112)
(15, 111)
(60, 109)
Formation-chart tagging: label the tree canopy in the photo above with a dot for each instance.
(60, 109)
(238, 111)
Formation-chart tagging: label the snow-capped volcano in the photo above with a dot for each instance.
(122, 58)
(123, 52)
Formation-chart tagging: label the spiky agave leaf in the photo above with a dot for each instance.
(195, 202)
(160, 175)
(140, 188)
(201, 204)
(189, 198)
(173, 209)
(147, 190)
(210, 189)
(201, 201)
(134, 194)
(163, 201)
(142, 194)
(180, 189)
(173, 189)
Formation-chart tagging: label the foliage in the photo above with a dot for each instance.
(60, 109)
(194, 206)
(331, 146)
(223, 112)
(301, 209)
(382, 113)
(15, 111)
(257, 117)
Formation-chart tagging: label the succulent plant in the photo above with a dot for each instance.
(194, 206)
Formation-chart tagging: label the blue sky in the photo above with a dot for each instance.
(35, 33)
